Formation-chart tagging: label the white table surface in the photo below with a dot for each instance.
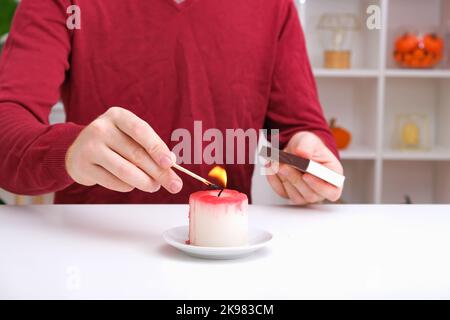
(319, 252)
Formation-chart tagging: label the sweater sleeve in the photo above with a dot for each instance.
(33, 67)
(294, 104)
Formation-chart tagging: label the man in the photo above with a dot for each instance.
(230, 64)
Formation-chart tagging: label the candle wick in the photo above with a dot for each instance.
(220, 192)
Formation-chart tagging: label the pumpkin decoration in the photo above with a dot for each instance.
(342, 136)
(414, 51)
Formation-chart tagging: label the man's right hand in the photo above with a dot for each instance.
(121, 152)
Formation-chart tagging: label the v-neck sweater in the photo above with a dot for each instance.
(230, 64)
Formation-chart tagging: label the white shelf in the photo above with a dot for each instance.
(435, 154)
(350, 73)
(367, 99)
(410, 73)
(389, 73)
(358, 153)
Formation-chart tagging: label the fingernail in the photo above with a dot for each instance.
(157, 188)
(166, 162)
(175, 186)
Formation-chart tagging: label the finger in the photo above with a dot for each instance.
(310, 146)
(326, 158)
(306, 146)
(124, 170)
(323, 188)
(295, 178)
(107, 180)
(143, 134)
(277, 185)
(293, 194)
(133, 152)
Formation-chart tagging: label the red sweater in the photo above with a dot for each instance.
(230, 64)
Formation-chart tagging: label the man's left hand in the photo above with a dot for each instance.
(301, 188)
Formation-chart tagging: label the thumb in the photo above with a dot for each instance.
(305, 146)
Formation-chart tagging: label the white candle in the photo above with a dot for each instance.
(218, 221)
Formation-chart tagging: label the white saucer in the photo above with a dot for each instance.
(177, 237)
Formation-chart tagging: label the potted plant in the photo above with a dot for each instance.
(6, 15)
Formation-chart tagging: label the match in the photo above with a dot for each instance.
(197, 177)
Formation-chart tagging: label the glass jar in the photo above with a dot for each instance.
(418, 50)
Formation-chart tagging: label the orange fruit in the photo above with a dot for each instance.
(433, 43)
(427, 61)
(408, 58)
(406, 43)
(398, 57)
(419, 54)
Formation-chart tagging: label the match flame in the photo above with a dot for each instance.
(219, 174)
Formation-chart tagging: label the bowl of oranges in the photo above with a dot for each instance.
(419, 51)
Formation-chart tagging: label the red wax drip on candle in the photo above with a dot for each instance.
(227, 197)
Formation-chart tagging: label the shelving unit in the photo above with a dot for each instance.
(352, 73)
(414, 74)
(437, 154)
(359, 153)
(367, 98)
